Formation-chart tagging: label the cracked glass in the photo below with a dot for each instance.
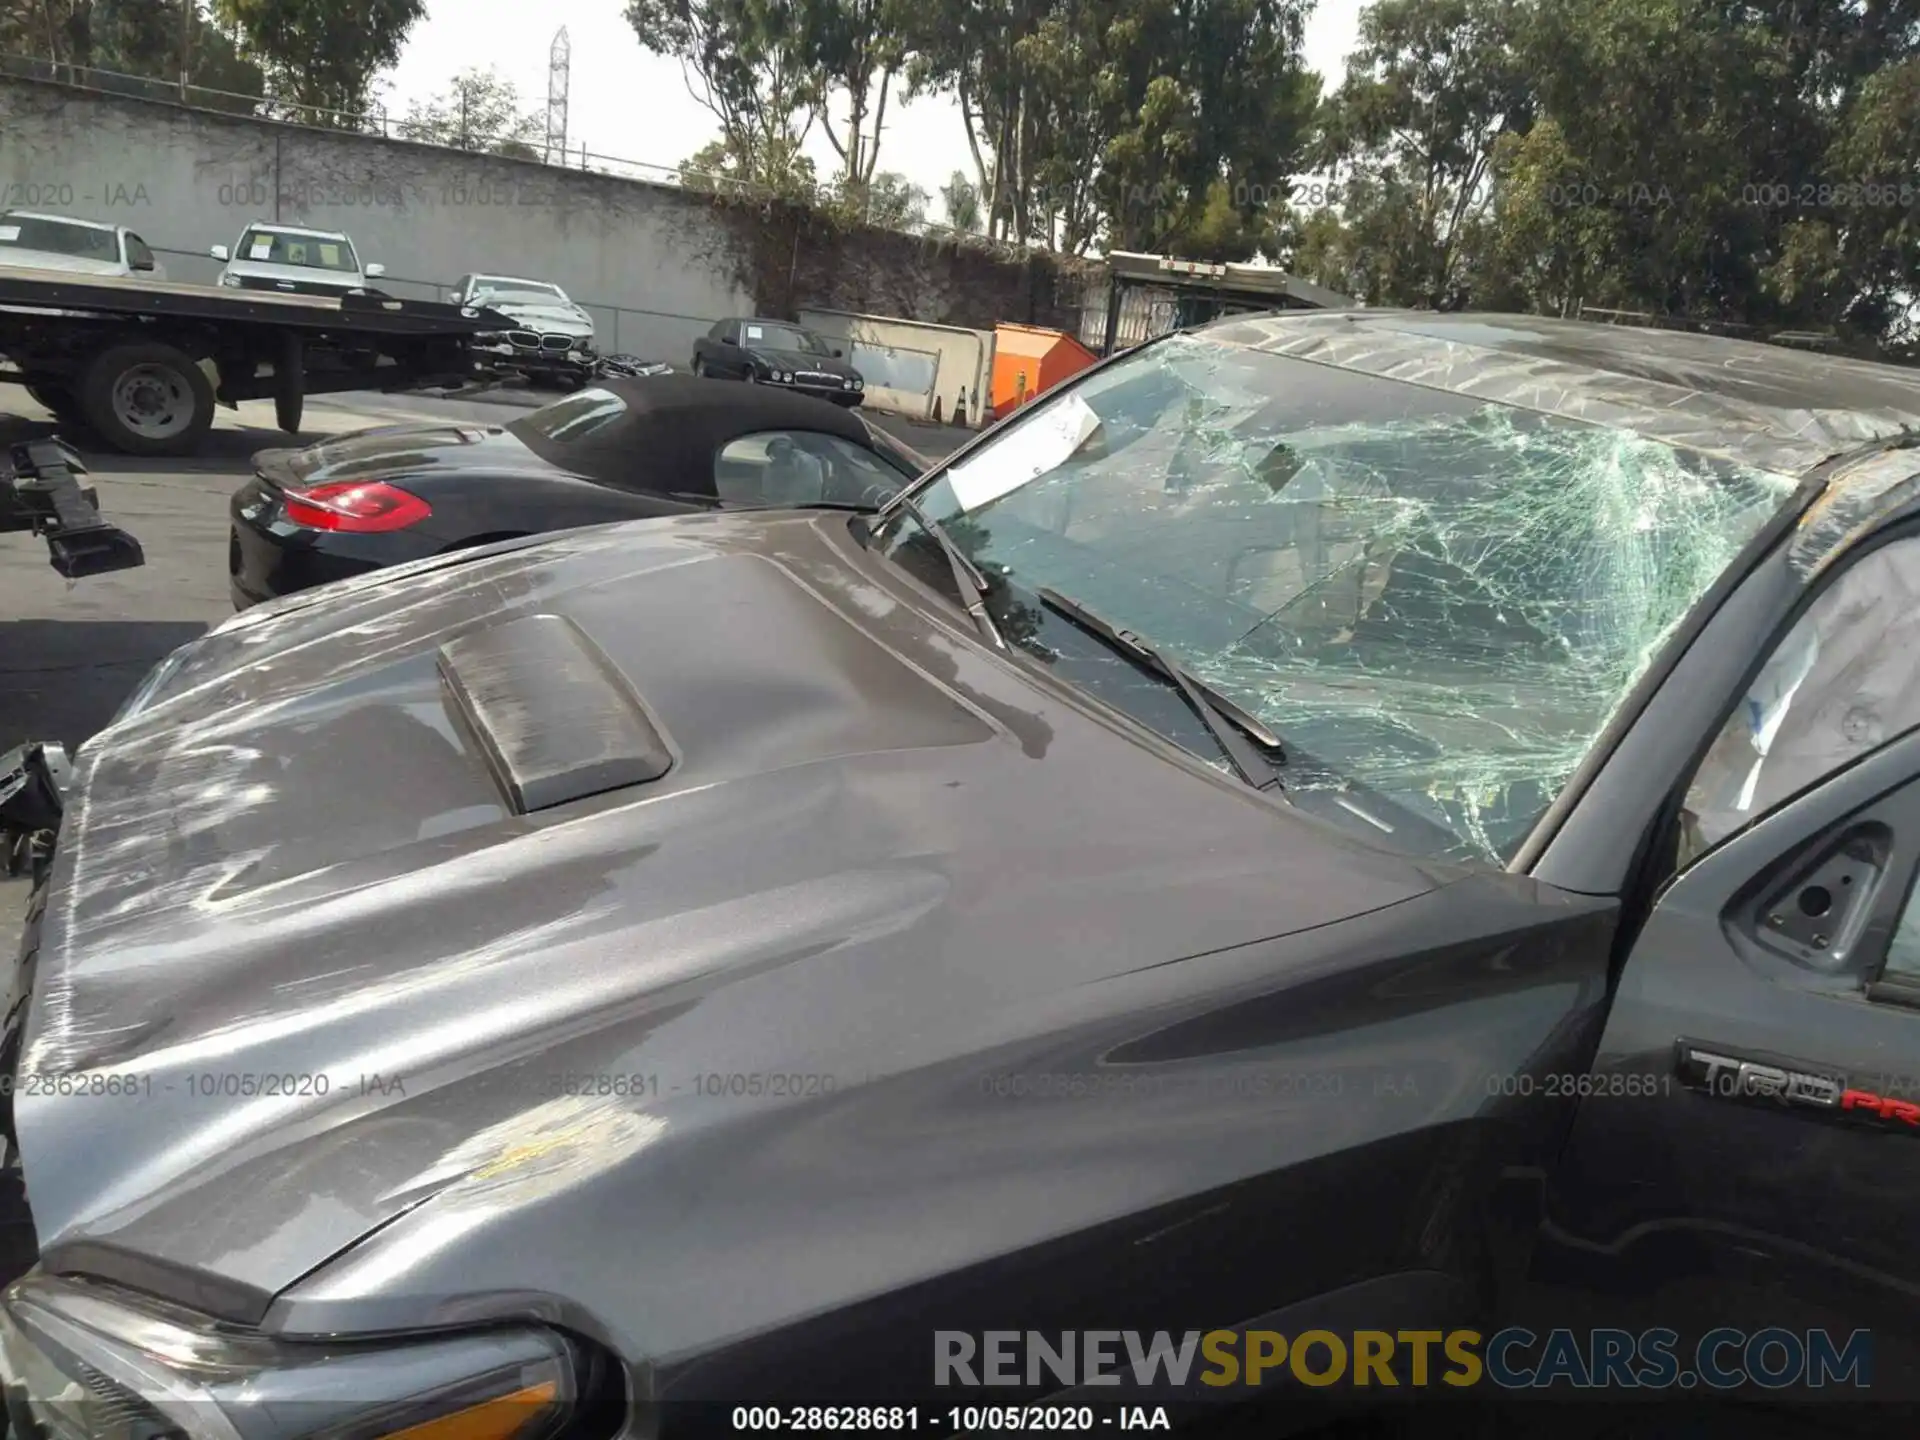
(1436, 601)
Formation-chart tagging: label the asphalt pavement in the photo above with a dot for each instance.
(70, 651)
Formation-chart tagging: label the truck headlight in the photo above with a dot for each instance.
(80, 1362)
(232, 282)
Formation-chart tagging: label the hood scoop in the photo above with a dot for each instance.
(556, 720)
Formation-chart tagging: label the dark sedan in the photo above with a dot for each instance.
(625, 450)
(779, 353)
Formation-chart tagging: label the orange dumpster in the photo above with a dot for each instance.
(1028, 360)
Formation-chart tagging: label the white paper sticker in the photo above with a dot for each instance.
(9, 232)
(754, 332)
(262, 249)
(1039, 445)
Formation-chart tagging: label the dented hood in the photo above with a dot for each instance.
(337, 971)
(556, 316)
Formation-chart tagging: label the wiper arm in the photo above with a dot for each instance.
(857, 507)
(1230, 725)
(965, 574)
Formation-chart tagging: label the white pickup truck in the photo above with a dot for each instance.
(293, 260)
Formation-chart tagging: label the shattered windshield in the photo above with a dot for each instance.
(1437, 603)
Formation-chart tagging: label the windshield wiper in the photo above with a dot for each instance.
(966, 576)
(857, 507)
(1229, 725)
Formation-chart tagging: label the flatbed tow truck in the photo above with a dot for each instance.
(142, 364)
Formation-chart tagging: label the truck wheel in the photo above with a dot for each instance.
(58, 400)
(147, 399)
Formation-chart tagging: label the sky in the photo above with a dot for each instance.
(626, 103)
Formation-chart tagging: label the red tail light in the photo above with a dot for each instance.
(359, 506)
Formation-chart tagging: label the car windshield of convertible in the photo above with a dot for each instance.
(1437, 604)
(584, 413)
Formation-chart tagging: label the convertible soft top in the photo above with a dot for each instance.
(678, 422)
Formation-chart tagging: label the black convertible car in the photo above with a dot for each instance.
(625, 450)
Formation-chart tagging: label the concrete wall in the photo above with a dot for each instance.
(656, 265)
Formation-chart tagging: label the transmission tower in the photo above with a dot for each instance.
(559, 75)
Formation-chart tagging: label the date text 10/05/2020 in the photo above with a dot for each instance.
(1699, 1070)
(948, 1420)
(782, 1085)
(247, 1085)
(1772, 1359)
(1267, 1083)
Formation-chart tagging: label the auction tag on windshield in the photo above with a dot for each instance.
(754, 332)
(1040, 444)
(330, 256)
(262, 249)
(9, 232)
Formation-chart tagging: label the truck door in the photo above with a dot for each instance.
(1747, 1150)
